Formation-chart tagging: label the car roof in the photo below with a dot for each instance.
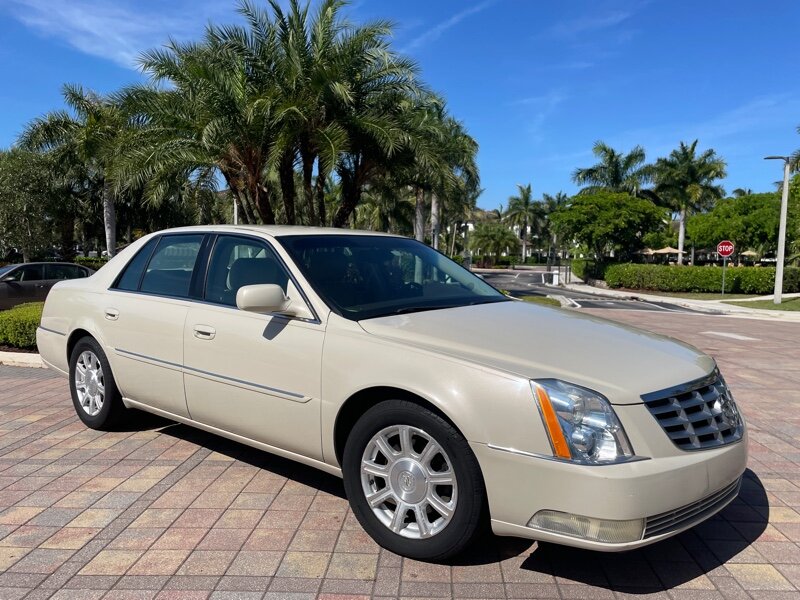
(276, 230)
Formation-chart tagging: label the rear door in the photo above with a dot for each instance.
(144, 316)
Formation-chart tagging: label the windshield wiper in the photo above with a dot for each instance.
(413, 309)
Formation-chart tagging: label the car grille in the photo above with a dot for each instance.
(691, 513)
(697, 415)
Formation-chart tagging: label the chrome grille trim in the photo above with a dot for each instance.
(691, 513)
(697, 415)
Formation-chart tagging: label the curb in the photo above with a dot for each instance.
(21, 359)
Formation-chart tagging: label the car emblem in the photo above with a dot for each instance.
(407, 481)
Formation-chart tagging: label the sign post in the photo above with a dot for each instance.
(725, 248)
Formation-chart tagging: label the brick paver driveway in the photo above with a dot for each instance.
(171, 512)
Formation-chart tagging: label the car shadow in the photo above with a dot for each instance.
(687, 557)
(260, 459)
(665, 565)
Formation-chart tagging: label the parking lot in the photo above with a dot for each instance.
(167, 511)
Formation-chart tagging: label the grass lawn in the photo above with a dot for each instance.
(791, 304)
(542, 300)
(692, 295)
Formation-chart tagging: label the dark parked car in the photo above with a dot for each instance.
(30, 282)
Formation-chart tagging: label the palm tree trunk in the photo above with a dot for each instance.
(319, 194)
(286, 176)
(681, 234)
(308, 189)
(435, 221)
(419, 216)
(109, 219)
(524, 241)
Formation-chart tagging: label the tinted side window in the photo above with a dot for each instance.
(169, 272)
(29, 273)
(64, 272)
(236, 262)
(129, 280)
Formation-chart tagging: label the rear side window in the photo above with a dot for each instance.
(133, 272)
(169, 272)
(64, 272)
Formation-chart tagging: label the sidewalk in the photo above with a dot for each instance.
(707, 306)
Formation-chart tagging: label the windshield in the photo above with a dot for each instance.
(367, 276)
(4, 270)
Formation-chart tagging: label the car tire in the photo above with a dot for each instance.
(408, 505)
(95, 396)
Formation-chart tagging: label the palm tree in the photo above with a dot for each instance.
(88, 133)
(741, 192)
(552, 204)
(686, 180)
(522, 212)
(493, 238)
(616, 171)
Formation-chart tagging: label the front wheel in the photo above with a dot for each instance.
(412, 481)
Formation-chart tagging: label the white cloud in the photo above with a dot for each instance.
(574, 27)
(436, 32)
(117, 32)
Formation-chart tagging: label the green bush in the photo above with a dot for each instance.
(673, 278)
(18, 325)
(91, 261)
(588, 269)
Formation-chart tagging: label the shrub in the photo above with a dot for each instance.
(18, 325)
(673, 278)
(91, 261)
(589, 269)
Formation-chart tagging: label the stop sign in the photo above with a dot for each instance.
(725, 248)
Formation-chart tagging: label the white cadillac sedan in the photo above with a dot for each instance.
(440, 401)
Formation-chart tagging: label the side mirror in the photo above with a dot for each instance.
(262, 298)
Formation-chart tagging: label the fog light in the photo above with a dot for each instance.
(587, 528)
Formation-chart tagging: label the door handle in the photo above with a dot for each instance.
(112, 314)
(204, 332)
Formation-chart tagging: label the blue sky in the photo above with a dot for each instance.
(535, 82)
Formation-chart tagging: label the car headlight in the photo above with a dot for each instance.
(580, 423)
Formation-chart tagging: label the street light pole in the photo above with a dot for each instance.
(787, 167)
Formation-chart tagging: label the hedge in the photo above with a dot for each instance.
(588, 269)
(18, 325)
(91, 261)
(673, 278)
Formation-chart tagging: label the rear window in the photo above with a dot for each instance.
(132, 275)
(169, 272)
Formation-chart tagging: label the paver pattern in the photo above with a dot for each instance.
(165, 511)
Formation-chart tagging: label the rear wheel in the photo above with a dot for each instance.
(95, 396)
(412, 481)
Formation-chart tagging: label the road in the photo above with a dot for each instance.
(531, 283)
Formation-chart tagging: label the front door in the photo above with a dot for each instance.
(253, 375)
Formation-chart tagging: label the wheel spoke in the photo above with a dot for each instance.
(439, 506)
(406, 449)
(379, 497)
(445, 478)
(386, 449)
(399, 517)
(373, 468)
(431, 450)
(422, 521)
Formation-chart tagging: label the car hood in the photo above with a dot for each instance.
(534, 341)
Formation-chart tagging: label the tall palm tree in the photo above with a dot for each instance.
(615, 171)
(552, 204)
(523, 212)
(687, 181)
(88, 133)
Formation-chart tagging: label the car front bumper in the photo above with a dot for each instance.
(668, 495)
